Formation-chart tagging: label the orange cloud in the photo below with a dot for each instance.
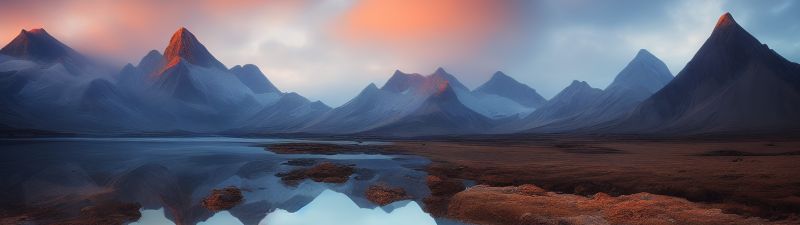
(422, 23)
(127, 29)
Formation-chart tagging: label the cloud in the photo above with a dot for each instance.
(443, 27)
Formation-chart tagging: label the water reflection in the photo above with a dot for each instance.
(330, 208)
(170, 177)
(153, 217)
(334, 208)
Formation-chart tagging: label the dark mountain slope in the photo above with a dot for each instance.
(732, 84)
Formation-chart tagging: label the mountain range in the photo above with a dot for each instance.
(734, 83)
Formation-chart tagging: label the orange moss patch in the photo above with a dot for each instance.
(528, 204)
(223, 199)
(384, 195)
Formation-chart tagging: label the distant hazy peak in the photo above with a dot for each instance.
(440, 70)
(579, 84)
(502, 78)
(151, 62)
(38, 45)
(254, 79)
(577, 89)
(645, 70)
(503, 85)
(644, 54)
(153, 53)
(500, 75)
(400, 81)
(441, 75)
(372, 86)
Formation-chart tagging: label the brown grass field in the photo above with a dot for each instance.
(745, 176)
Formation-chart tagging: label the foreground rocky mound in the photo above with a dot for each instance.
(442, 189)
(528, 204)
(384, 195)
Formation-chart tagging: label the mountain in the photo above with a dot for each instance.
(732, 84)
(194, 76)
(645, 72)
(400, 82)
(404, 93)
(424, 85)
(37, 45)
(151, 62)
(374, 107)
(251, 76)
(440, 75)
(440, 114)
(571, 101)
(644, 75)
(289, 113)
(488, 105)
(40, 75)
(184, 44)
(504, 86)
(108, 108)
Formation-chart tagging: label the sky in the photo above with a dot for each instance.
(331, 50)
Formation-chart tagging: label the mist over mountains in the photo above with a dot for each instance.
(734, 83)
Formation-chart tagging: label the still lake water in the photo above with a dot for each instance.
(170, 176)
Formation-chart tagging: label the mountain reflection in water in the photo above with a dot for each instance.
(169, 177)
(330, 208)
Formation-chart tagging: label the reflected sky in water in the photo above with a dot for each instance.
(330, 208)
(170, 176)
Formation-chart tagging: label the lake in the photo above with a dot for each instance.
(47, 178)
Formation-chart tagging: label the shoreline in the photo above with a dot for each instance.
(681, 168)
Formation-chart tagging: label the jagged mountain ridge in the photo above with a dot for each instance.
(402, 95)
(440, 114)
(644, 75)
(162, 93)
(252, 76)
(502, 85)
(733, 84)
(569, 102)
